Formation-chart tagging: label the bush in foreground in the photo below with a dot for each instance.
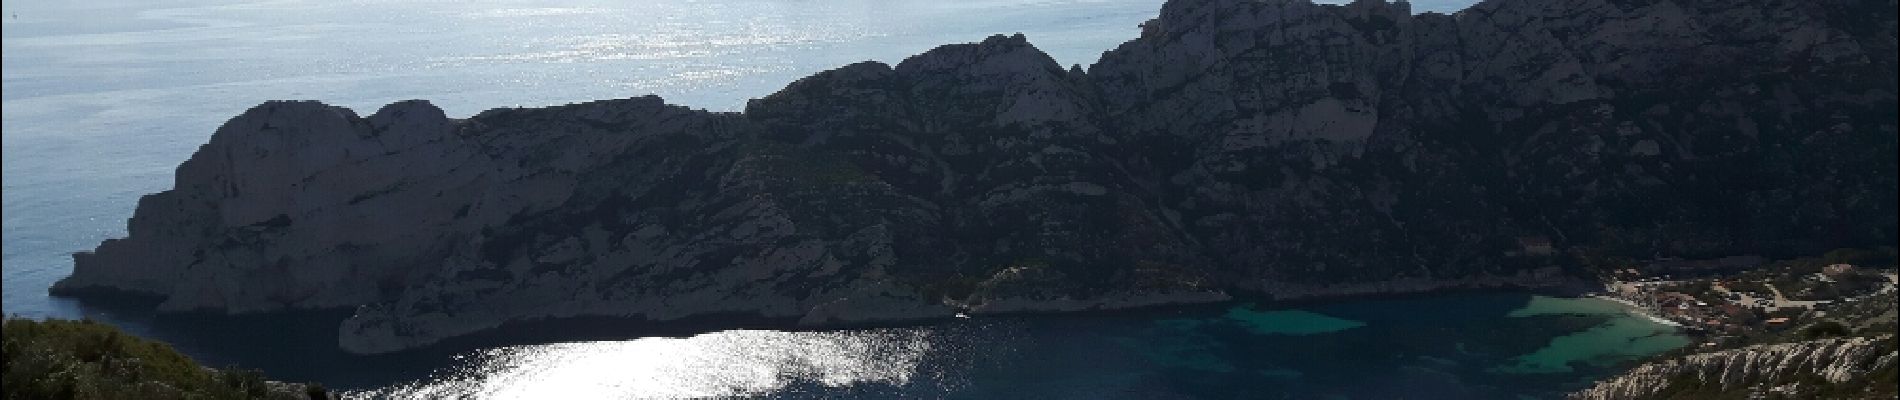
(62, 359)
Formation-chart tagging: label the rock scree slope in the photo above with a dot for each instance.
(1839, 368)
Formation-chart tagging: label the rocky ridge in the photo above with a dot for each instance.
(1786, 370)
(1261, 147)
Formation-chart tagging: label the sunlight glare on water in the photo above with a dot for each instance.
(718, 364)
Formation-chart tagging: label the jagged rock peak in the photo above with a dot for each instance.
(996, 50)
(394, 115)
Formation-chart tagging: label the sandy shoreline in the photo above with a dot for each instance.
(1637, 309)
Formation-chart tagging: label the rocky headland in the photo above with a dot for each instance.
(1270, 148)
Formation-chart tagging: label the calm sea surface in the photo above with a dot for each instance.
(102, 99)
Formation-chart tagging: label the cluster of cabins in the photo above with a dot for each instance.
(1720, 316)
(1718, 305)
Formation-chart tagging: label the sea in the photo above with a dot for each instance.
(102, 100)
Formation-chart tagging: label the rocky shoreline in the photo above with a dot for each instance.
(1274, 148)
(1786, 370)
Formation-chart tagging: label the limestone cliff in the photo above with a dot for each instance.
(1269, 147)
(1849, 368)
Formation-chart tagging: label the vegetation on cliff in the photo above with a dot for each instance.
(64, 359)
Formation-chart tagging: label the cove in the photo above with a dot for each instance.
(1459, 345)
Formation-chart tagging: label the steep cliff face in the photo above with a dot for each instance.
(1850, 368)
(301, 205)
(1301, 143)
(1272, 147)
(679, 215)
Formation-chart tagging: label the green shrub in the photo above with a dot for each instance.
(62, 359)
(1824, 329)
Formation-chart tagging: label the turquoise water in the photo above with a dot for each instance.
(1620, 338)
(1288, 322)
(103, 99)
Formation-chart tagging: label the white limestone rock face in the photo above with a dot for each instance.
(1760, 369)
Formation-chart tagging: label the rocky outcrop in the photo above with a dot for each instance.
(1275, 148)
(1295, 141)
(303, 205)
(1827, 368)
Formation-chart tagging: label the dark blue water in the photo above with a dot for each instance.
(1443, 346)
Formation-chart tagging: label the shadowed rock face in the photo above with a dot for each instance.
(1270, 147)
